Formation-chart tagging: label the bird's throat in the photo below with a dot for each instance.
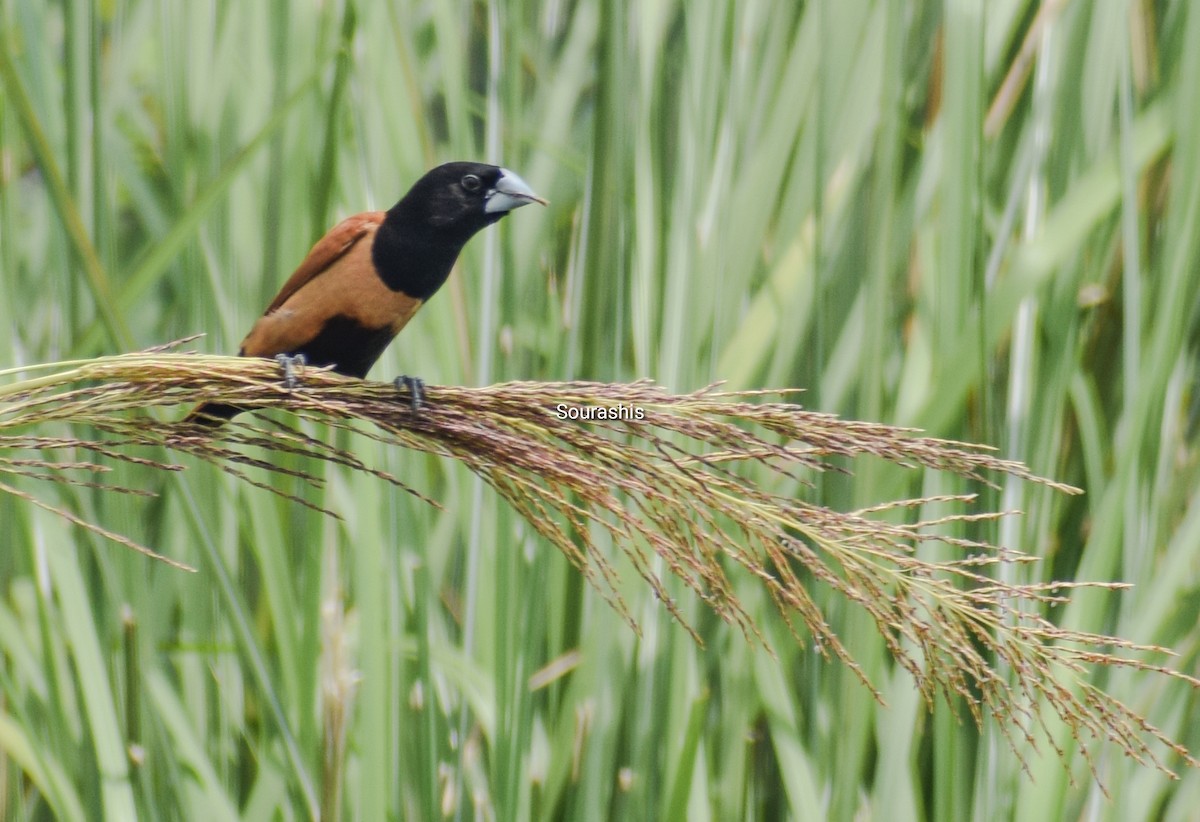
(407, 261)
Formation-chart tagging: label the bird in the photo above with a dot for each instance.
(366, 278)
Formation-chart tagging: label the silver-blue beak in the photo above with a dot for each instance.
(510, 192)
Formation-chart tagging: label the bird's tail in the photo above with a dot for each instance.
(212, 414)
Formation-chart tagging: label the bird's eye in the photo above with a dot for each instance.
(471, 183)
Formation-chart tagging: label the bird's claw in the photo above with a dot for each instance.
(289, 364)
(415, 386)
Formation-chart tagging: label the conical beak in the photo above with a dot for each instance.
(510, 192)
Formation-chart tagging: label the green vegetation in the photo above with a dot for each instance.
(975, 217)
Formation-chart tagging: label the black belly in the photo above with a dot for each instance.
(346, 345)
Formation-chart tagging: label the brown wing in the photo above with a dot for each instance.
(336, 242)
(335, 307)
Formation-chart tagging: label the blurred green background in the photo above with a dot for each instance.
(978, 217)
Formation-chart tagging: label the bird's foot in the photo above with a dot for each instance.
(415, 386)
(289, 364)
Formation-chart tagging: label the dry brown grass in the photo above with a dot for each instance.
(689, 483)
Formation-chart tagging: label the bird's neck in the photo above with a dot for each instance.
(411, 260)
